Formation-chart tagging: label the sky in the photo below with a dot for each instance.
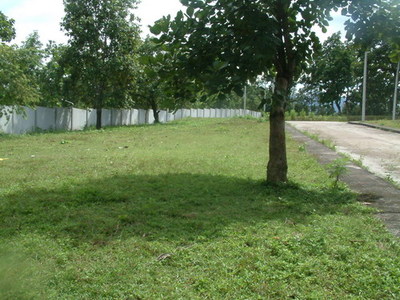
(45, 16)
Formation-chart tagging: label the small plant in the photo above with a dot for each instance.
(336, 169)
(302, 148)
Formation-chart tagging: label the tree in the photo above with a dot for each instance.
(376, 22)
(225, 43)
(103, 38)
(53, 76)
(16, 86)
(18, 83)
(381, 74)
(7, 30)
(331, 74)
(154, 81)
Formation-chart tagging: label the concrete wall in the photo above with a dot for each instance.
(23, 123)
(162, 115)
(91, 117)
(149, 116)
(45, 118)
(105, 117)
(142, 117)
(126, 117)
(77, 119)
(134, 117)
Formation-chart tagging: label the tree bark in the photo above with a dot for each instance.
(99, 106)
(98, 118)
(156, 112)
(277, 165)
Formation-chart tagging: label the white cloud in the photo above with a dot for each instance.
(44, 16)
(150, 11)
(337, 24)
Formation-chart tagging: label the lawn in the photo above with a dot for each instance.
(386, 123)
(181, 211)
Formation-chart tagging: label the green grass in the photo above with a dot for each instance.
(181, 211)
(386, 123)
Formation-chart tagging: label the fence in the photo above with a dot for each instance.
(54, 119)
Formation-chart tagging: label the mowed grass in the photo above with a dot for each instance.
(387, 123)
(181, 211)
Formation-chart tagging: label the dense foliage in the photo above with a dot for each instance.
(103, 38)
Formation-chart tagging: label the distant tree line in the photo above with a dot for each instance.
(332, 83)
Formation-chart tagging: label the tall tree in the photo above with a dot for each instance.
(103, 38)
(17, 85)
(155, 82)
(331, 73)
(376, 24)
(18, 81)
(381, 74)
(227, 42)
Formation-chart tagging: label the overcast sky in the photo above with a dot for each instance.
(45, 17)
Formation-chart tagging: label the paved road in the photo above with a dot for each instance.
(378, 150)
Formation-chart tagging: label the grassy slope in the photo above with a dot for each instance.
(85, 215)
(386, 123)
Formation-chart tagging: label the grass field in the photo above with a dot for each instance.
(181, 211)
(387, 123)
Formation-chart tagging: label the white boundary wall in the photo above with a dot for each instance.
(47, 119)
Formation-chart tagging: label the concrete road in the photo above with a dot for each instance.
(378, 150)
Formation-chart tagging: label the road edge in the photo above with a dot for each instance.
(373, 190)
(390, 129)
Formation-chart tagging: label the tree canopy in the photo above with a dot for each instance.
(18, 66)
(225, 43)
(7, 30)
(331, 73)
(103, 38)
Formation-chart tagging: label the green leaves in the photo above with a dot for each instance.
(190, 11)
(17, 84)
(7, 30)
(219, 65)
(102, 49)
(161, 25)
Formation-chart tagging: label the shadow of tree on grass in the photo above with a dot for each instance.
(182, 207)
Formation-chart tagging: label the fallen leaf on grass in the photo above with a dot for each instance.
(164, 256)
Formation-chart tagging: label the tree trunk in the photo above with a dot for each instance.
(98, 118)
(99, 106)
(156, 112)
(277, 165)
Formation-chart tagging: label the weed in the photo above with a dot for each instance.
(326, 142)
(336, 169)
(302, 148)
